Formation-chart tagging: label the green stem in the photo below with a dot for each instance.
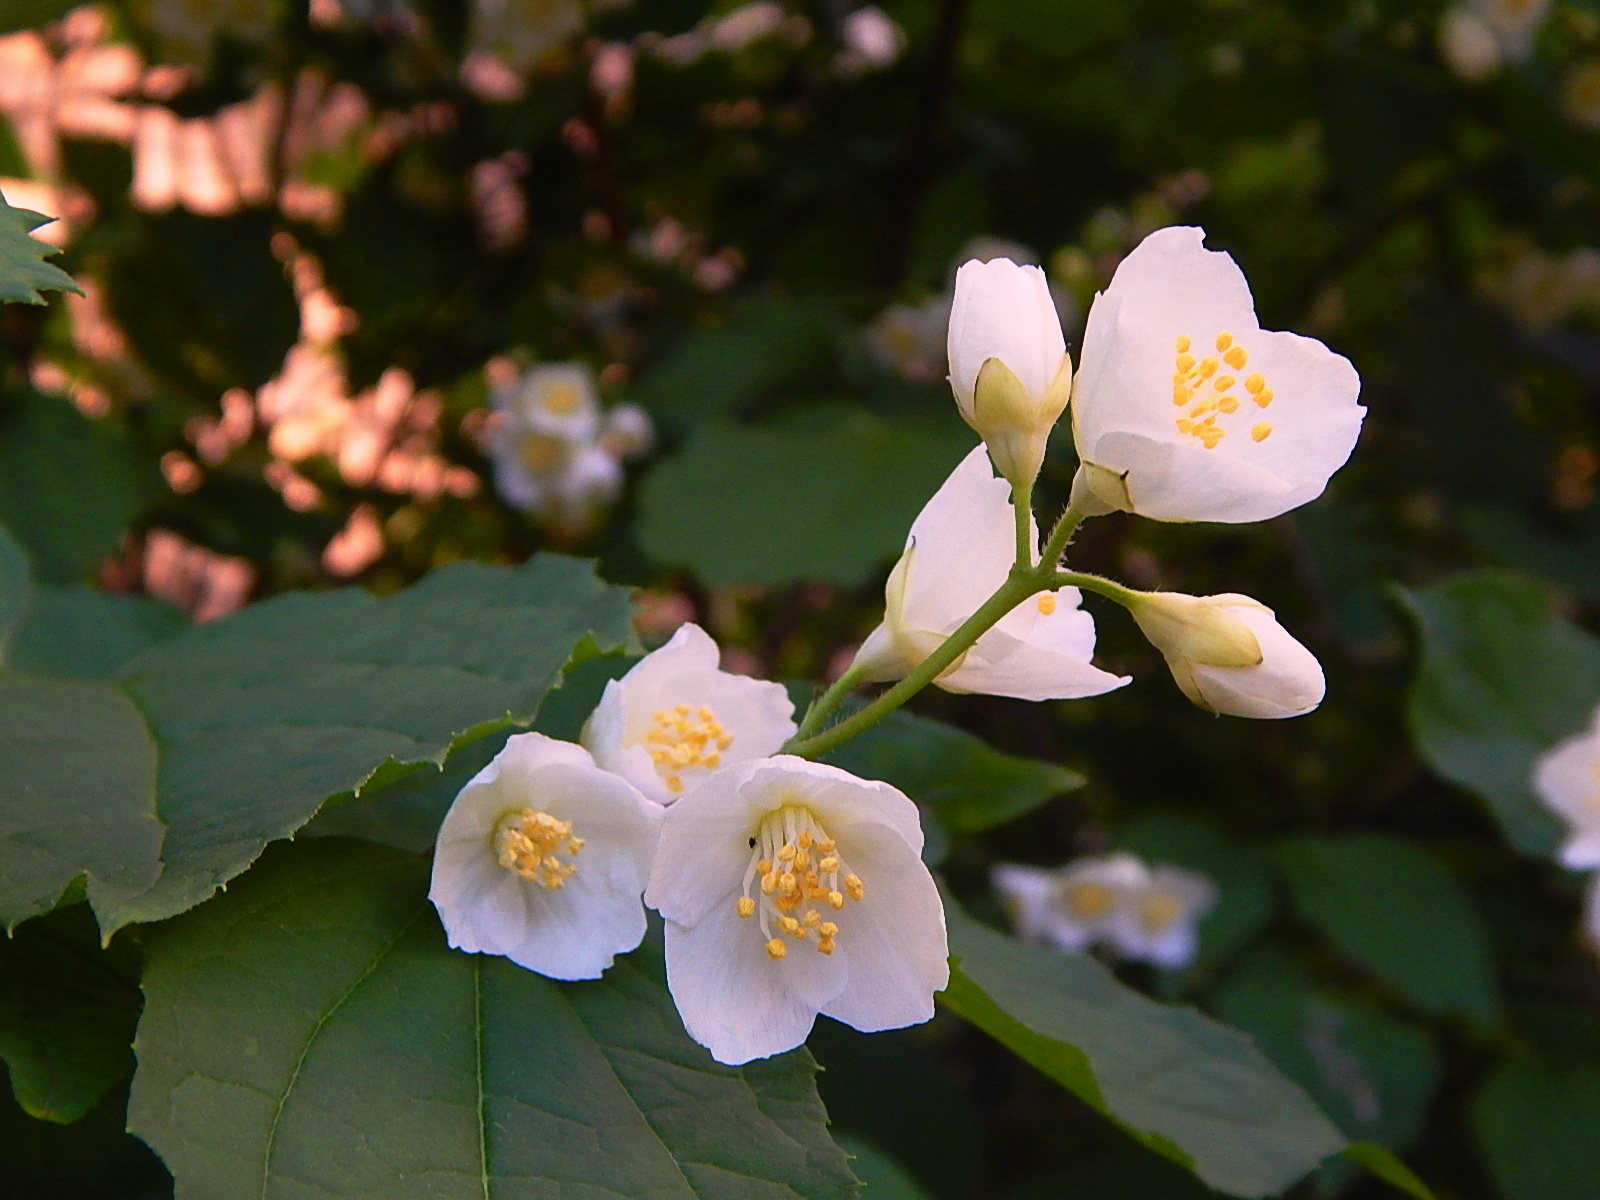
(1099, 584)
(1019, 585)
(1060, 536)
(1022, 506)
(827, 702)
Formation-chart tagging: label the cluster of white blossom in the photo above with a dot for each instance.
(1567, 780)
(556, 453)
(1479, 37)
(790, 888)
(1146, 912)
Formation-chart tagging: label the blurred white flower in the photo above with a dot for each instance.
(1142, 912)
(524, 34)
(677, 717)
(543, 858)
(1539, 289)
(790, 889)
(1580, 94)
(1185, 409)
(1469, 45)
(1008, 362)
(910, 338)
(1567, 780)
(959, 551)
(555, 453)
(1229, 655)
(872, 41)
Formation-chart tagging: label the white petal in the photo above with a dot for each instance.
(1567, 780)
(704, 849)
(1002, 310)
(571, 932)
(893, 941)
(733, 998)
(1029, 894)
(840, 800)
(1287, 683)
(1050, 663)
(1270, 459)
(964, 539)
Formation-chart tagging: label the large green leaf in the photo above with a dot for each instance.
(967, 784)
(77, 794)
(1537, 1123)
(1187, 1087)
(718, 372)
(23, 270)
(69, 486)
(81, 633)
(1502, 679)
(1370, 894)
(263, 716)
(1373, 1073)
(778, 504)
(16, 589)
(67, 1013)
(387, 1065)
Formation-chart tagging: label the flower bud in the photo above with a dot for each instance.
(1229, 655)
(1008, 363)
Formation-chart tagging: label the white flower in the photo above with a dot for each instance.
(1229, 654)
(1157, 923)
(910, 338)
(677, 716)
(1186, 410)
(792, 888)
(959, 552)
(1567, 779)
(1008, 362)
(1148, 913)
(1069, 907)
(543, 858)
(1468, 43)
(556, 399)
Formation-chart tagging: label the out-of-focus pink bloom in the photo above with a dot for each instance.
(357, 546)
(204, 583)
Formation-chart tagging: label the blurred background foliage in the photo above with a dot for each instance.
(314, 240)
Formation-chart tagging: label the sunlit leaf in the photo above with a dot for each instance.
(1501, 680)
(388, 1065)
(1187, 1087)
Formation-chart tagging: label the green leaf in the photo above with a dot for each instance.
(1387, 1167)
(777, 504)
(1370, 894)
(720, 371)
(77, 794)
(968, 784)
(1536, 1122)
(388, 1065)
(23, 270)
(82, 633)
(68, 485)
(67, 1013)
(1372, 1073)
(1502, 679)
(16, 589)
(1185, 1086)
(264, 715)
(884, 1178)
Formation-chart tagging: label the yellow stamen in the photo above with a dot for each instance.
(1047, 603)
(1224, 340)
(746, 906)
(531, 843)
(1260, 432)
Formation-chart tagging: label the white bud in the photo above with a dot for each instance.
(1008, 362)
(1229, 655)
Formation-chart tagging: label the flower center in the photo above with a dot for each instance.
(1208, 397)
(1158, 911)
(795, 867)
(1087, 901)
(531, 843)
(540, 452)
(562, 398)
(683, 738)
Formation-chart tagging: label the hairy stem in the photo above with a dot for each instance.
(824, 704)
